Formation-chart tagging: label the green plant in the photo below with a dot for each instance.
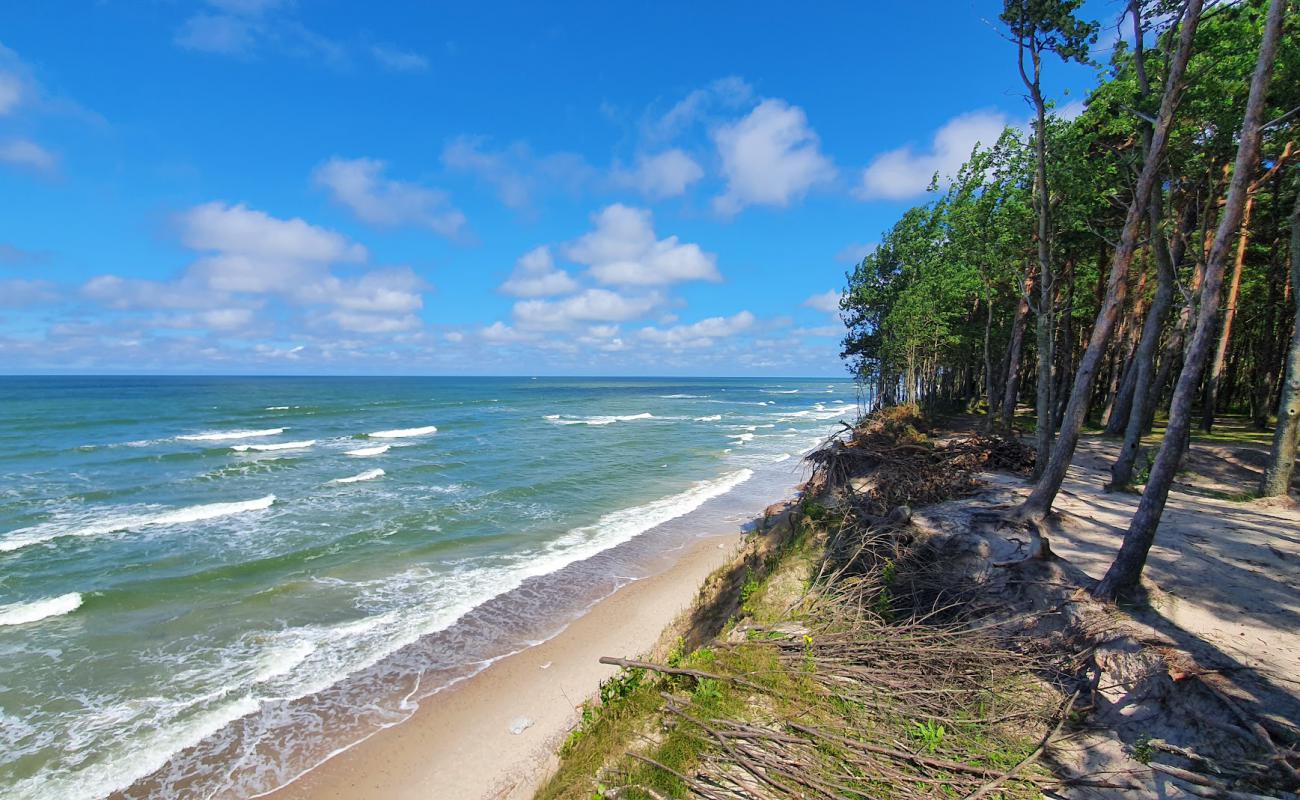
(708, 690)
(929, 733)
(678, 653)
(748, 589)
(620, 686)
(1142, 749)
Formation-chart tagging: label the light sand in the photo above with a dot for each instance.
(459, 745)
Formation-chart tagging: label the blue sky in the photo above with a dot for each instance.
(268, 186)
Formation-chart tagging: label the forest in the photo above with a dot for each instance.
(1133, 268)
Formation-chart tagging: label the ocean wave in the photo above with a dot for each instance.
(713, 418)
(741, 437)
(402, 433)
(270, 448)
(35, 610)
(368, 475)
(377, 450)
(779, 391)
(559, 419)
(100, 526)
(683, 396)
(217, 436)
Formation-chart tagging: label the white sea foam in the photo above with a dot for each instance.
(403, 433)
(559, 419)
(742, 437)
(218, 436)
(100, 525)
(712, 418)
(279, 408)
(683, 396)
(377, 450)
(270, 448)
(779, 391)
(368, 475)
(23, 613)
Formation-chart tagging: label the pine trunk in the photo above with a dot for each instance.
(1126, 570)
(1281, 462)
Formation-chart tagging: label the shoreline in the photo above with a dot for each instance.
(459, 742)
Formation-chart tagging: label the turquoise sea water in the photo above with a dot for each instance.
(209, 584)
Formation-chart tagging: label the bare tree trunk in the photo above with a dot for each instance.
(1015, 349)
(1126, 570)
(1121, 473)
(1209, 402)
(1281, 463)
(1040, 499)
(1122, 397)
(990, 394)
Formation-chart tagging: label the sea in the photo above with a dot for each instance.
(208, 585)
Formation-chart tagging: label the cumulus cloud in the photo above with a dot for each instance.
(827, 302)
(699, 334)
(769, 157)
(623, 250)
(905, 172)
(27, 154)
(536, 275)
(359, 184)
(663, 175)
(248, 258)
(590, 305)
(398, 60)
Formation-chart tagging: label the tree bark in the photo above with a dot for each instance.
(1209, 403)
(1015, 350)
(1281, 462)
(1126, 570)
(1121, 473)
(1040, 499)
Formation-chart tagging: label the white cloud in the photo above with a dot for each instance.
(591, 305)
(726, 92)
(359, 184)
(624, 251)
(699, 334)
(224, 34)
(454, 336)
(241, 28)
(19, 292)
(356, 322)
(769, 157)
(248, 258)
(28, 154)
(11, 92)
(666, 174)
(515, 171)
(399, 60)
(501, 333)
(535, 275)
(828, 302)
(903, 173)
(239, 229)
(854, 252)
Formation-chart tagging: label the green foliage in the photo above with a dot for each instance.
(928, 733)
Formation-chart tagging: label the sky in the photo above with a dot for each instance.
(325, 187)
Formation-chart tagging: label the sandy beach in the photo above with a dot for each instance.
(459, 743)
